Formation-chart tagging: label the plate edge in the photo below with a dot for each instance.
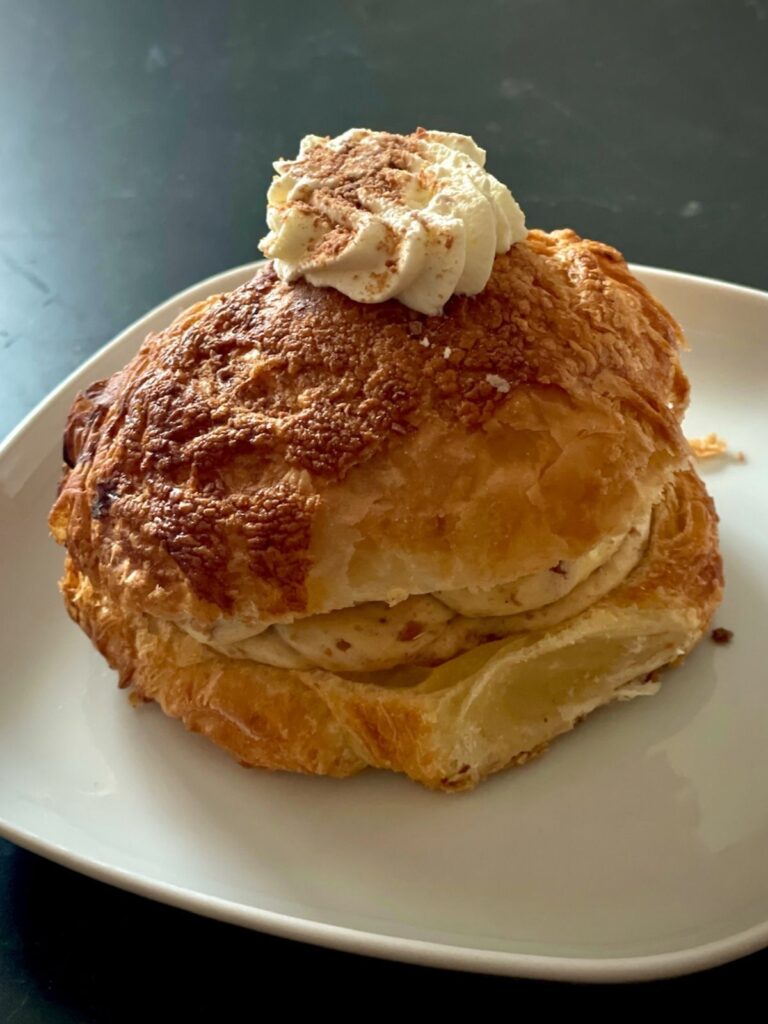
(433, 954)
(422, 952)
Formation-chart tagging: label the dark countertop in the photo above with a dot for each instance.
(135, 147)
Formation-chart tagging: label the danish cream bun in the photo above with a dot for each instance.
(416, 496)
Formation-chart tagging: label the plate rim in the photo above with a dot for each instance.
(422, 952)
(541, 966)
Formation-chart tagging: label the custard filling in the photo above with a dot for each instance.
(429, 629)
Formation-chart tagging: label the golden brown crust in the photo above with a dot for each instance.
(282, 450)
(314, 721)
(261, 717)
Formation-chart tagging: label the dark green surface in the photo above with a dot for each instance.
(135, 147)
(75, 950)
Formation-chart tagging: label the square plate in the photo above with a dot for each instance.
(636, 848)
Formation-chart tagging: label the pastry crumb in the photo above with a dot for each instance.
(710, 446)
(721, 635)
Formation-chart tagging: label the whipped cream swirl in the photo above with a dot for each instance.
(380, 216)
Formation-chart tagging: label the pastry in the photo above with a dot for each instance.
(415, 497)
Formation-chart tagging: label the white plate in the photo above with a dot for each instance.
(636, 848)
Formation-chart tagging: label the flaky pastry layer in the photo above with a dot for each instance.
(281, 451)
(447, 727)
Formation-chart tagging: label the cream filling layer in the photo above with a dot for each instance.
(428, 629)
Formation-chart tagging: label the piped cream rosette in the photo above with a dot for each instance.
(378, 216)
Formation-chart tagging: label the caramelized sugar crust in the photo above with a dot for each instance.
(265, 454)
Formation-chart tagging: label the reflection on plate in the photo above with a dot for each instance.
(636, 848)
